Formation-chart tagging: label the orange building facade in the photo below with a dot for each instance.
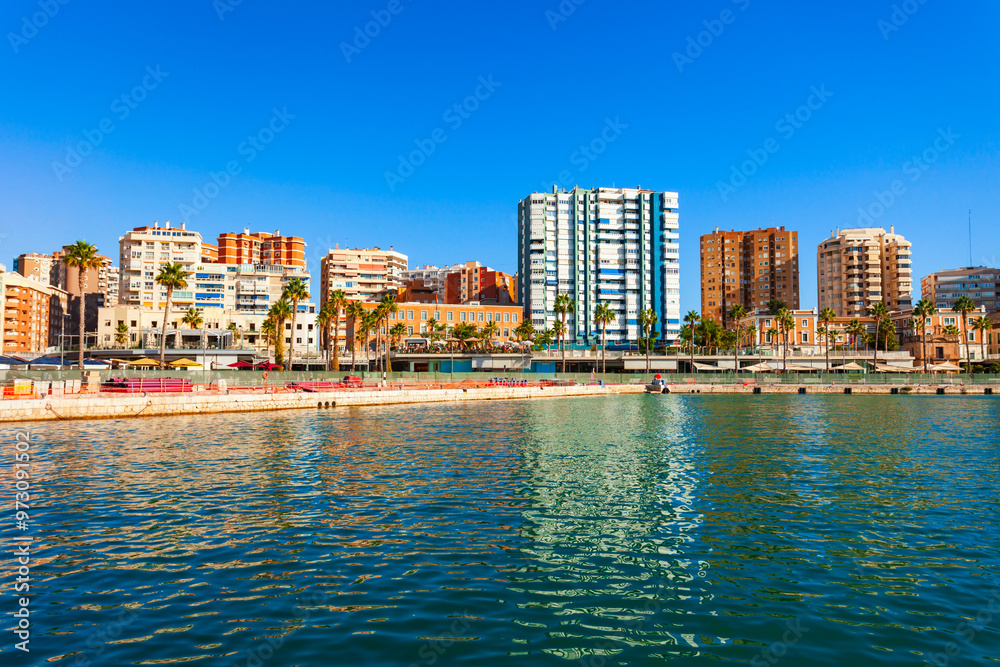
(32, 314)
(262, 248)
(748, 269)
(475, 282)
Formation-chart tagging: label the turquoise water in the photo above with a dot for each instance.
(631, 530)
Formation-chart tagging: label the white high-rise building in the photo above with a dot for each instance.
(617, 246)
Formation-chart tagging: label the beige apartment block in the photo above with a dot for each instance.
(857, 268)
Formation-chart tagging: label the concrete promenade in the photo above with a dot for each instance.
(828, 389)
(118, 406)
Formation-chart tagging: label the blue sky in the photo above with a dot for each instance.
(200, 78)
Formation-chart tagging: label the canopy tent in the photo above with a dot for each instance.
(885, 368)
(185, 363)
(267, 366)
(762, 367)
(240, 364)
(946, 367)
(65, 361)
(851, 367)
(703, 368)
(144, 362)
(12, 361)
(798, 368)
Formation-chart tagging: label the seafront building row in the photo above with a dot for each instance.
(610, 250)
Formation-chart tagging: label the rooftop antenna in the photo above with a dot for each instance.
(970, 237)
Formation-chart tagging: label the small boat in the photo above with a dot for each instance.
(657, 386)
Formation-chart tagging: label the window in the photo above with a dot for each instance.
(513, 317)
(409, 315)
(480, 317)
(423, 315)
(450, 313)
(461, 315)
(805, 324)
(805, 336)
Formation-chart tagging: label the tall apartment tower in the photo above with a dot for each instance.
(143, 251)
(858, 267)
(748, 269)
(617, 246)
(979, 283)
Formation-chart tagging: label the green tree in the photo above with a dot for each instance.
(193, 318)
(857, 331)
(923, 310)
(879, 313)
(295, 291)
(558, 328)
(489, 331)
(691, 320)
(269, 333)
(737, 313)
(280, 311)
(603, 316)
(525, 331)
(336, 303)
(982, 324)
(397, 332)
(564, 306)
(963, 306)
(355, 313)
(387, 306)
(787, 323)
(323, 318)
(83, 257)
(647, 320)
(172, 277)
(826, 316)
(775, 306)
(121, 334)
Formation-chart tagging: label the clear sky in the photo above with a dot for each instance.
(309, 114)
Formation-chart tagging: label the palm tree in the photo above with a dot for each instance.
(923, 310)
(121, 334)
(267, 330)
(648, 320)
(825, 317)
(173, 277)
(787, 323)
(603, 316)
(879, 313)
(336, 302)
(397, 332)
(952, 330)
(323, 318)
(83, 256)
(489, 331)
(237, 332)
(355, 312)
(279, 312)
(525, 331)
(965, 305)
(751, 335)
(193, 319)
(691, 320)
(558, 328)
(295, 291)
(856, 331)
(982, 324)
(369, 325)
(386, 307)
(772, 335)
(737, 313)
(564, 306)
